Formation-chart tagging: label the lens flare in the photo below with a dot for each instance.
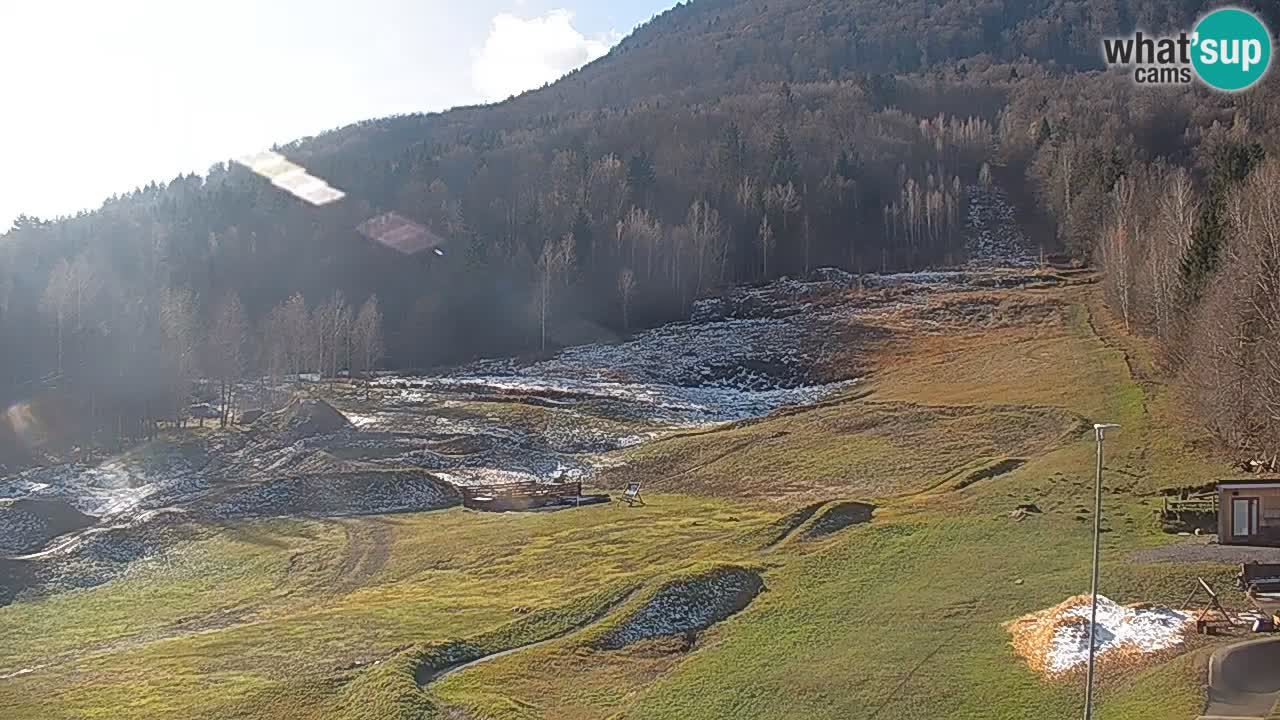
(26, 427)
(291, 177)
(401, 234)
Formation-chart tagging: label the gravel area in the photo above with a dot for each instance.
(1206, 549)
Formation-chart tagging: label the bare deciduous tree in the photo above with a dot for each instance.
(57, 303)
(626, 285)
(1176, 212)
(556, 258)
(331, 323)
(1120, 235)
(765, 239)
(708, 241)
(178, 348)
(226, 352)
(367, 337)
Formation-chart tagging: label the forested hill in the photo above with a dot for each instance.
(723, 142)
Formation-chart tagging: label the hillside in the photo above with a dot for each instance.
(815, 560)
(843, 284)
(721, 143)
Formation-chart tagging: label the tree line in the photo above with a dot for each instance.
(1172, 193)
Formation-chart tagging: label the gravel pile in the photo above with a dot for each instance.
(27, 525)
(995, 237)
(330, 494)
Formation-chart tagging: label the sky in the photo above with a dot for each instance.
(102, 96)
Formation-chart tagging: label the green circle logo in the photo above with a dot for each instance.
(1232, 49)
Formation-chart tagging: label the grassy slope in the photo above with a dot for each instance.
(904, 618)
(308, 612)
(900, 618)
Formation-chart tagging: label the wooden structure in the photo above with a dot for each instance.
(1257, 579)
(1249, 511)
(1206, 622)
(1190, 510)
(528, 495)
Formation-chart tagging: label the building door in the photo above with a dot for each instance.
(1244, 517)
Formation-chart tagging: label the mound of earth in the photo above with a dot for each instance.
(314, 462)
(687, 605)
(27, 525)
(98, 556)
(15, 577)
(977, 309)
(1056, 640)
(987, 472)
(364, 492)
(464, 444)
(838, 516)
(305, 418)
(780, 529)
(159, 459)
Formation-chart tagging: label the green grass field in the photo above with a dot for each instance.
(898, 618)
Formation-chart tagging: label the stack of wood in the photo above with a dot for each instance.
(1258, 466)
(526, 495)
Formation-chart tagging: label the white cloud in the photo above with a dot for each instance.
(521, 54)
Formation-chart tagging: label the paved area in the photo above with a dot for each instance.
(1244, 680)
(1204, 548)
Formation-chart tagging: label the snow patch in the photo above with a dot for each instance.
(687, 606)
(1056, 640)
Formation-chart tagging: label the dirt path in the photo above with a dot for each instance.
(367, 550)
(425, 679)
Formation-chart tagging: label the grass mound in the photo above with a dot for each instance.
(537, 627)
(29, 524)
(320, 463)
(685, 606)
(836, 517)
(385, 691)
(787, 524)
(816, 521)
(976, 472)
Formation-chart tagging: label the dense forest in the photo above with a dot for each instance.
(723, 142)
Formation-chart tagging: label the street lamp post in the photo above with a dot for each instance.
(1099, 434)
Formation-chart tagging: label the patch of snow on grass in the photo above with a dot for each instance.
(687, 606)
(363, 421)
(1056, 640)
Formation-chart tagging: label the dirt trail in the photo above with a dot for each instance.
(367, 550)
(429, 676)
